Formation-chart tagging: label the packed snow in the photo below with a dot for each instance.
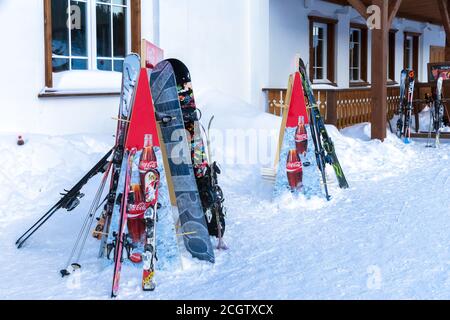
(386, 237)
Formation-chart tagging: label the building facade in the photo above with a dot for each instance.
(70, 84)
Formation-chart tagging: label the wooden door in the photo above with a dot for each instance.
(437, 54)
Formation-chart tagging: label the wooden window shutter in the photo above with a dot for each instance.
(331, 52)
(416, 55)
(311, 50)
(405, 54)
(391, 57)
(364, 55)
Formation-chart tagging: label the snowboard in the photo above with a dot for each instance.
(206, 171)
(296, 109)
(143, 122)
(175, 139)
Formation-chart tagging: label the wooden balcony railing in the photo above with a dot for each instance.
(347, 107)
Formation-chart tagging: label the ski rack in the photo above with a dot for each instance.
(270, 173)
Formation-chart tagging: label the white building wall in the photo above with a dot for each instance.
(289, 36)
(212, 39)
(22, 65)
(234, 46)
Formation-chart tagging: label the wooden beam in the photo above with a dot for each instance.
(359, 6)
(48, 43)
(444, 9)
(393, 11)
(136, 25)
(379, 72)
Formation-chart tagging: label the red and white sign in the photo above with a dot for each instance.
(153, 54)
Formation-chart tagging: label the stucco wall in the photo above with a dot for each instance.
(234, 46)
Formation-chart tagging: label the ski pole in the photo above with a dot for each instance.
(86, 226)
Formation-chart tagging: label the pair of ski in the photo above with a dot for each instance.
(71, 198)
(141, 127)
(293, 164)
(405, 108)
(436, 113)
(324, 149)
(150, 218)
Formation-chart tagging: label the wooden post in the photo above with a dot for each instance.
(136, 24)
(444, 10)
(332, 107)
(48, 43)
(379, 72)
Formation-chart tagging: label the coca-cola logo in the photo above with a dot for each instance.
(147, 165)
(137, 208)
(294, 166)
(301, 137)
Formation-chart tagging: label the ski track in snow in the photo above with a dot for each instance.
(387, 237)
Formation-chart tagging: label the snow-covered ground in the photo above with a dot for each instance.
(386, 237)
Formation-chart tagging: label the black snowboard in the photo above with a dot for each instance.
(193, 223)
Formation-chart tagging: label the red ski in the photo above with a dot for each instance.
(118, 259)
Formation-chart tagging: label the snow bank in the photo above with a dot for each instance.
(386, 237)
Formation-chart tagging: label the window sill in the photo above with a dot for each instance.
(392, 83)
(357, 84)
(55, 93)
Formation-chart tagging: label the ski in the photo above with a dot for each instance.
(324, 146)
(401, 105)
(131, 69)
(409, 108)
(217, 212)
(438, 111)
(151, 180)
(120, 236)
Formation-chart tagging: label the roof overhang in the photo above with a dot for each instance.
(418, 10)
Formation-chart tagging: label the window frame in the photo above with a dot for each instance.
(324, 68)
(134, 33)
(392, 45)
(93, 43)
(415, 51)
(364, 57)
(359, 51)
(330, 49)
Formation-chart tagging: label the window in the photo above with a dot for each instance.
(89, 34)
(94, 37)
(358, 55)
(355, 55)
(322, 50)
(391, 57)
(411, 52)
